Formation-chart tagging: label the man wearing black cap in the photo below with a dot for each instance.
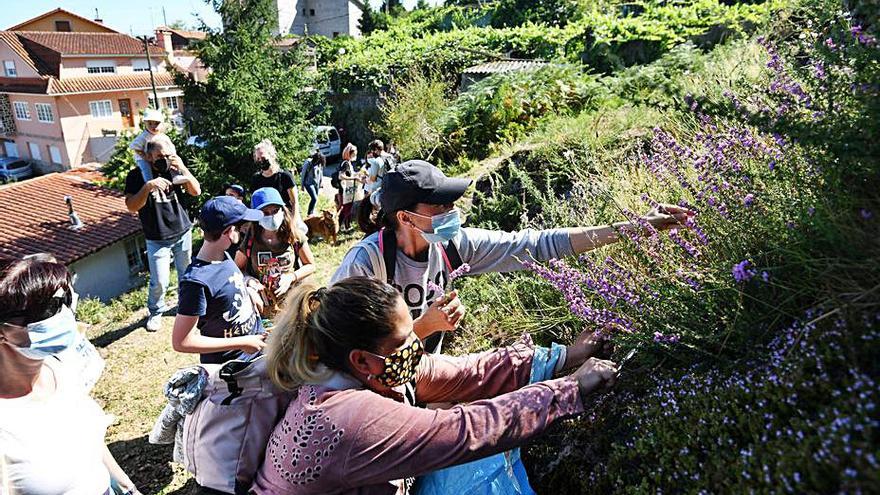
(213, 293)
(421, 242)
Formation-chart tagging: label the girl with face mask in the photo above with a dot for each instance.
(356, 425)
(52, 432)
(273, 251)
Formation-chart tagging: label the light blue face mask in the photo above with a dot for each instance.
(445, 226)
(51, 336)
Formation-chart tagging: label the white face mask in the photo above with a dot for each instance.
(272, 222)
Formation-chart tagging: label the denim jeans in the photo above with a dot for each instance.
(159, 254)
(312, 189)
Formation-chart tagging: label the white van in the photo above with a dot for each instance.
(327, 141)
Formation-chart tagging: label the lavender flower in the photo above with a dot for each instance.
(749, 200)
(460, 271)
(742, 271)
(665, 339)
(866, 214)
(765, 276)
(676, 237)
(431, 286)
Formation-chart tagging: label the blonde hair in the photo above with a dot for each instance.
(268, 150)
(347, 152)
(290, 355)
(320, 326)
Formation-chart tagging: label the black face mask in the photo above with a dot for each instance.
(263, 164)
(161, 165)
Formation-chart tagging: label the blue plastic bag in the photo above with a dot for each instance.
(500, 474)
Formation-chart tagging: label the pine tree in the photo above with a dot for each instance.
(253, 92)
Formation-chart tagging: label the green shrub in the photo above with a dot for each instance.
(757, 377)
(413, 114)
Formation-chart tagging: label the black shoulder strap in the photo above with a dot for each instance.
(453, 255)
(389, 253)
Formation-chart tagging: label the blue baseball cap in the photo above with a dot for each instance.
(223, 211)
(265, 196)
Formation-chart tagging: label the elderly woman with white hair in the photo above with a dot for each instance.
(269, 174)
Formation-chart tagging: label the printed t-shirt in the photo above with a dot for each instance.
(215, 292)
(163, 216)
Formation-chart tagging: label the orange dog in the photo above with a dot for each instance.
(325, 226)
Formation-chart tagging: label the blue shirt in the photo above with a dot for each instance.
(215, 292)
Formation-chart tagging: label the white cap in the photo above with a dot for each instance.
(153, 115)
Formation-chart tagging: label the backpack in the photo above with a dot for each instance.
(388, 239)
(225, 437)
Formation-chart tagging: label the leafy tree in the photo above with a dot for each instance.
(179, 24)
(372, 21)
(422, 5)
(552, 12)
(254, 92)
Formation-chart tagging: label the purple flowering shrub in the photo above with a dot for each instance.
(775, 146)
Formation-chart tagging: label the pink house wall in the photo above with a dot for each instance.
(21, 67)
(83, 134)
(77, 67)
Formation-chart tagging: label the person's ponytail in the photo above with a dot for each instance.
(321, 326)
(291, 360)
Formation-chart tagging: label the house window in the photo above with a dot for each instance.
(171, 103)
(140, 65)
(335, 34)
(62, 26)
(34, 148)
(9, 66)
(312, 12)
(44, 112)
(55, 154)
(304, 11)
(22, 112)
(136, 252)
(101, 66)
(101, 108)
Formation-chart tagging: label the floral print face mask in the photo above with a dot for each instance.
(400, 367)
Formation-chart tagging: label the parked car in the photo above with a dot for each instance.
(13, 169)
(327, 141)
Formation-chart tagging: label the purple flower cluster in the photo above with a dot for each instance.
(862, 37)
(666, 339)
(743, 272)
(571, 283)
(458, 272)
(792, 93)
(689, 248)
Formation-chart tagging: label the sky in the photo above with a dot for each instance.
(132, 17)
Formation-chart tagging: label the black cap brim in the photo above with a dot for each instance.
(450, 191)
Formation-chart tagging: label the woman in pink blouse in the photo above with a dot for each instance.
(356, 427)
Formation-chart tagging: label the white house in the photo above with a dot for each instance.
(105, 248)
(330, 18)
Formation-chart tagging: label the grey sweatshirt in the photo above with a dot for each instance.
(484, 250)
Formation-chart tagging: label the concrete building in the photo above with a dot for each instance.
(106, 250)
(330, 18)
(66, 95)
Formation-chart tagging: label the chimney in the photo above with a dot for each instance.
(163, 39)
(98, 17)
(75, 222)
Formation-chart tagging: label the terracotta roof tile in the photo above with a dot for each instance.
(192, 35)
(16, 45)
(108, 83)
(33, 218)
(89, 43)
